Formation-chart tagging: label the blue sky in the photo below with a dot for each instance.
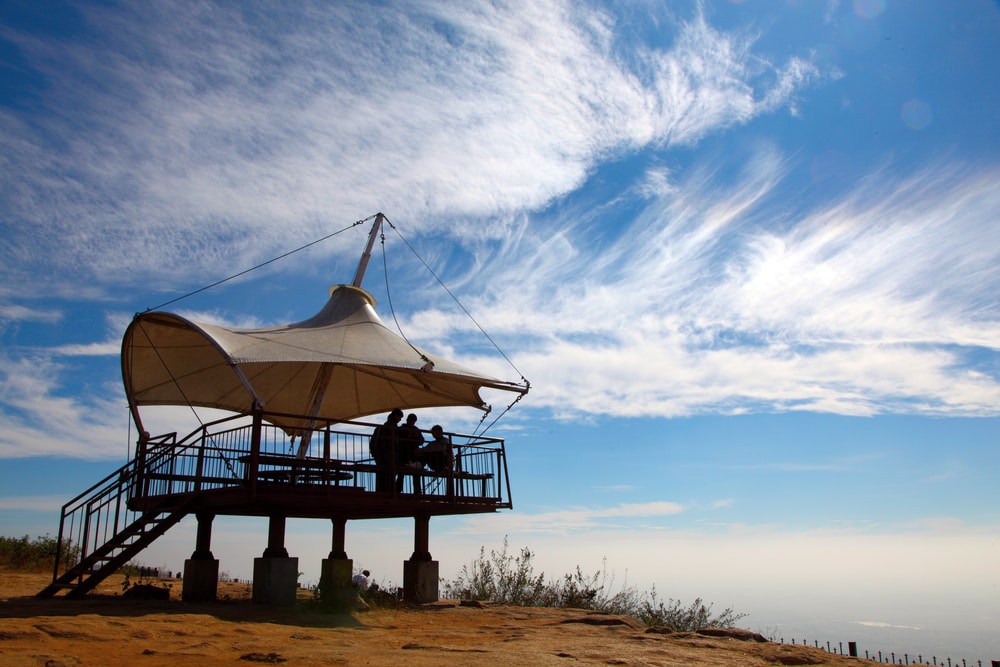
(746, 253)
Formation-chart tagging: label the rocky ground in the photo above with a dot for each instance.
(107, 628)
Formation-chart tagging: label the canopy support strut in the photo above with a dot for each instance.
(367, 255)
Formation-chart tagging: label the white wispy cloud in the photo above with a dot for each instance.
(883, 624)
(115, 324)
(106, 349)
(18, 313)
(32, 503)
(222, 319)
(719, 299)
(38, 419)
(178, 139)
(567, 521)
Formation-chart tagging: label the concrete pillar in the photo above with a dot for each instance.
(335, 588)
(420, 573)
(275, 575)
(420, 581)
(201, 580)
(201, 571)
(275, 581)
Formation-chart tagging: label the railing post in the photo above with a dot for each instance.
(85, 542)
(326, 457)
(59, 544)
(397, 486)
(254, 462)
(199, 467)
(506, 473)
(122, 486)
(142, 447)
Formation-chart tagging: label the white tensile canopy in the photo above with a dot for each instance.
(342, 363)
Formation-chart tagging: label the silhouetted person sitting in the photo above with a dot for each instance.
(439, 455)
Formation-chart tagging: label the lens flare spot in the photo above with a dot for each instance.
(916, 114)
(868, 9)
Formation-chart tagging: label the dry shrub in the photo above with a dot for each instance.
(504, 578)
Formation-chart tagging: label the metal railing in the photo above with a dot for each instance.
(224, 453)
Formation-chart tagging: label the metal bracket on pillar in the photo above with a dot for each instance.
(421, 537)
(338, 552)
(203, 540)
(276, 538)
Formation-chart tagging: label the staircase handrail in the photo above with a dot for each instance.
(111, 484)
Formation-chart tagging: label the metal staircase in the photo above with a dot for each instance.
(116, 552)
(99, 532)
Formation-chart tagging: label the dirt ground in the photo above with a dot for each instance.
(107, 629)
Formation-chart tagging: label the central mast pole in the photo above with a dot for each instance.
(367, 255)
(322, 381)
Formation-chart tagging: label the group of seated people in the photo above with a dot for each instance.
(411, 451)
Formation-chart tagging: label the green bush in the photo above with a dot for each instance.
(504, 578)
(22, 553)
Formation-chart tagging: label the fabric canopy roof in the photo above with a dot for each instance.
(340, 364)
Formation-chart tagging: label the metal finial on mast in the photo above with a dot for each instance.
(367, 255)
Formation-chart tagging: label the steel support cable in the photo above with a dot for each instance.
(388, 294)
(385, 265)
(487, 409)
(497, 418)
(455, 299)
(262, 264)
